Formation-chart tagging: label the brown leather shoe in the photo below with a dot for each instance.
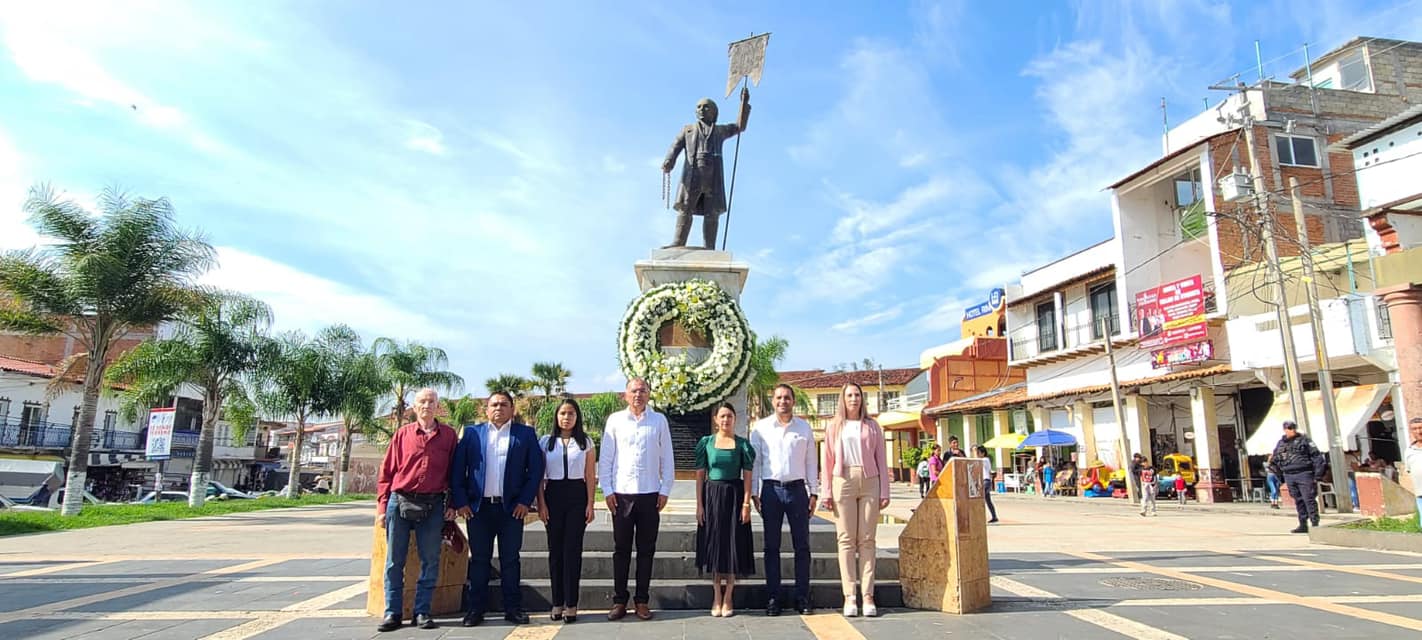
(643, 611)
(617, 612)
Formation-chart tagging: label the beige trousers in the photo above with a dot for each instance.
(856, 510)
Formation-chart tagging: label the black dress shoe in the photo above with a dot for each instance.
(1302, 528)
(772, 608)
(803, 608)
(1315, 522)
(389, 623)
(424, 621)
(516, 617)
(472, 619)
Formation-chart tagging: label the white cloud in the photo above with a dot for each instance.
(424, 137)
(611, 164)
(945, 316)
(300, 300)
(853, 325)
(15, 231)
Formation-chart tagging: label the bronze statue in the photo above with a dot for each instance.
(703, 187)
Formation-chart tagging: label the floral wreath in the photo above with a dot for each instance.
(677, 385)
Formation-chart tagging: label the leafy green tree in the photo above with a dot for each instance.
(298, 378)
(596, 409)
(412, 366)
(765, 356)
(212, 348)
(102, 276)
(463, 411)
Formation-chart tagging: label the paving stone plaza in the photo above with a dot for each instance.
(1061, 569)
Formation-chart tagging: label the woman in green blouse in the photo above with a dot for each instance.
(723, 483)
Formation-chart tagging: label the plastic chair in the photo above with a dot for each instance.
(1326, 497)
(1258, 495)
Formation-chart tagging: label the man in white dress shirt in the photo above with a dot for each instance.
(783, 488)
(636, 472)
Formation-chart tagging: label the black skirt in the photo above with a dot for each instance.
(723, 544)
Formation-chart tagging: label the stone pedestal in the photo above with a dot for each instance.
(449, 588)
(665, 266)
(943, 552)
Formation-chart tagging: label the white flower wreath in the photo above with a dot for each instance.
(677, 385)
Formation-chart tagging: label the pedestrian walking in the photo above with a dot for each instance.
(1180, 489)
(724, 549)
(498, 468)
(1149, 487)
(1135, 476)
(1301, 464)
(987, 481)
(1049, 479)
(565, 504)
(636, 472)
(784, 488)
(923, 478)
(410, 496)
(855, 471)
(935, 465)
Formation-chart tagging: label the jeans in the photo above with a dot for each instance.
(1272, 481)
(987, 498)
(397, 544)
(489, 522)
(780, 502)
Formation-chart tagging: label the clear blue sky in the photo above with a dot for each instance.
(482, 177)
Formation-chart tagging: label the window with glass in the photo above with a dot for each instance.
(1103, 310)
(110, 419)
(1046, 327)
(1296, 150)
(1353, 72)
(885, 398)
(4, 410)
(825, 403)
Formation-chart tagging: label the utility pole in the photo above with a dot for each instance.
(1292, 378)
(1320, 353)
(1123, 445)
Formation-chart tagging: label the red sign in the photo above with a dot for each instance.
(1182, 354)
(1171, 314)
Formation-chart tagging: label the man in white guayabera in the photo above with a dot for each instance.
(636, 473)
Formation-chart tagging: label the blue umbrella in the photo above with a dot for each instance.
(1048, 438)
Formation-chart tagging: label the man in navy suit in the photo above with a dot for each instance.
(495, 476)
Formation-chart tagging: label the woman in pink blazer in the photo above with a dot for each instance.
(856, 476)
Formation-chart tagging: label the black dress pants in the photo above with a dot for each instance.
(1303, 491)
(567, 507)
(635, 520)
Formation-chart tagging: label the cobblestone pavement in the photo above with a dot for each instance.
(1060, 570)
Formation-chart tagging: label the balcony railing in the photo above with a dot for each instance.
(1078, 334)
(910, 402)
(40, 434)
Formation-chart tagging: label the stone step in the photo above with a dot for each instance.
(596, 594)
(682, 565)
(679, 538)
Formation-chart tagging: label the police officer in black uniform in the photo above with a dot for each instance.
(1300, 463)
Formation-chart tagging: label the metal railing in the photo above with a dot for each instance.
(40, 434)
(909, 402)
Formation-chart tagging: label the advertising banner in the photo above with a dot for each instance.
(1182, 354)
(160, 434)
(1171, 314)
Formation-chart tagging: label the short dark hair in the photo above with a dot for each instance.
(1289, 424)
(784, 386)
(952, 438)
(502, 392)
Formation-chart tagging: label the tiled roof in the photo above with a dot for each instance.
(793, 377)
(26, 367)
(1017, 395)
(864, 378)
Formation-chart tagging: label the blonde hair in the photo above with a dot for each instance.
(841, 410)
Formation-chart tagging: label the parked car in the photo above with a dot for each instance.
(152, 497)
(218, 490)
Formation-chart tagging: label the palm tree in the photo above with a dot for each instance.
(765, 356)
(129, 267)
(551, 378)
(359, 384)
(410, 367)
(211, 349)
(462, 411)
(298, 378)
(514, 384)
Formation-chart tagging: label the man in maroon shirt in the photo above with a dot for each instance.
(411, 496)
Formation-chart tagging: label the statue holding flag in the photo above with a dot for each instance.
(702, 189)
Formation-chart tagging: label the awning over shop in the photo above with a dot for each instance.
(898, 420)
(116, 459)
(1356, 406)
